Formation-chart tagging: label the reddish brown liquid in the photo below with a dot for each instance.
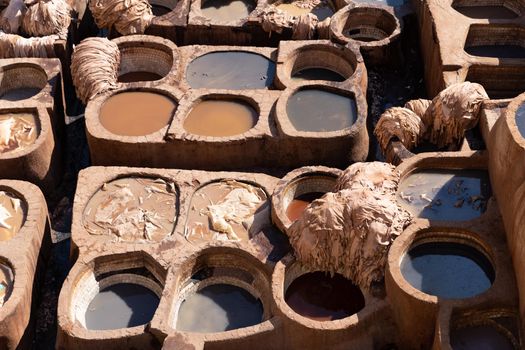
(320, 297)
(132, 77)
(297, 205)
(136, 113)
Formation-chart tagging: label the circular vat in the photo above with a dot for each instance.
(321, 63)
(300, 192)
(7, 281)
(222, 290)
(21, 81)
(232, 70)
(133, 209)
(447, 267)
(18, 131)
(489, 9)
(322, 10)
(162, 7)
(320, 110)
(492, 329)
(221, 116)
(445, 194)
(223, 11)
(13, 212)
(227, 210)
(136, 113)
(144, 61)
(368, 24)
(320, 296)
(520, 119)
(117, 296)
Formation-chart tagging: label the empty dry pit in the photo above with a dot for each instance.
(133, 209)
(364, 24)
(144, 60)
(447, 268)
(136, 113)
(314, 109)
(320, 62)
(500, 82)
(225, 11)
(499, 41)
(490, 9)
(222, 290)
(115, 298)
(445, 194)
(227, 210)
(232, 70)
(221, 116)
(13, 211)
(18, 131)
(21, 81)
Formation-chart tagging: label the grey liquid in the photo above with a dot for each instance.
(319, 110)
(520, 119)
(481, 12)
(449, 195)
(19, 94)
(218, 308)
(120, 306)
(231, 70)
(317, 74)
(499, 51)
(479, 338)
(447, 270)
(227, 10)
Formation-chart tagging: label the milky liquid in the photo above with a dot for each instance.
(17, 131)
(319, 110)
(220, 118)
(449, 195)
(235, 70)
(447, 270)
(136, 113)
(12, 215)
(227, 10)
(320, 297)
(218, 308)
(121, 305)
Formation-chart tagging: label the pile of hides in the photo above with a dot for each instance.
(127, 16)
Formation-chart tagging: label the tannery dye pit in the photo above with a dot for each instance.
(19, 94)
(121, 305)
(322, 10)
(317, 74)
(299, 203)
(218, 308)
(227, 10)
(133, 77)
(17, 131)
(234, 70)
(220, 118)
(447, 270)
(482, 337)
(136, 113)
(12, 215)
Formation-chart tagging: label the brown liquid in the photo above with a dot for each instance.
(136, 113)
(481, 12)
(132, 77)
(242, 209)
(320, 297)
(319, 110)
(227, 10)
(20, 94)
(479, 338)
(220, 118)
(297, 205)
(6, 283)
(133, 209)
(12, 215)
(17, 131)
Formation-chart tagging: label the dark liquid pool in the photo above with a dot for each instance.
(482, 12)
(321, 111)
(320, 297)
(447, 270)
(218, 308)
(297, 205)
(120, 306)
(498, 51)
(132, 77)
(19, 94)
(317, 74)
(235, 70)
(479, 338)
